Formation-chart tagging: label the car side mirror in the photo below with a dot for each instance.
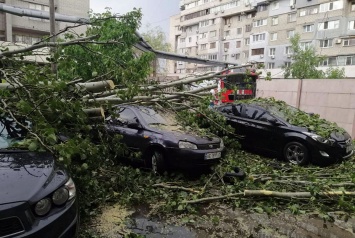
(274, 121)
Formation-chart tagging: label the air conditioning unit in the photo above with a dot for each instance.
(233, 55)
(288, 56)
(261, 56)
(197, 31)
(224, 38)
(225, 49)
(338, 41)
(272, 56)
(229, 25)
(292, 6)
(222, 11)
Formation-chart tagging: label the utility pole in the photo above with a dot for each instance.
(52, 32)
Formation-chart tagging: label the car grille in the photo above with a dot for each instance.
(10, 226)
(209, 146)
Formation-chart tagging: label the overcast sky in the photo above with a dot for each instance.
(155, 12)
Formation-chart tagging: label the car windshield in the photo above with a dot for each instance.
(10, 132)
(285, 112)
(152, 117)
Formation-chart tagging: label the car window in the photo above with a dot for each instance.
(232, 109)
(154, 117)
(250, 112)
(121, 116)
(10, 132)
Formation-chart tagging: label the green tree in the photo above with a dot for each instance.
(157, 39)
(305, 63)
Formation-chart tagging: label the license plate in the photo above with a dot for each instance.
(214, 155)
(349, 148)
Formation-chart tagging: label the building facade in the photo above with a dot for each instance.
(29, 30)
(245, 31)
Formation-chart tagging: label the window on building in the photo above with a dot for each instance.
(288, 50)
(251, 15)
(353, 6)
(259, 37)
(225, 57)
(226, 45)
(349, 60)
(273, 36)
(272, 51)
(308, 28)
(262, 8)
(237, 56)
(303, 12)
(248, 27)
(26, 39)
(38, 7)
(190, 39)
(247, 41)
(212, 45)
(290, 34)
(271, 65)
(212, 57)
(274, 21)
(291, 17)
(239, 18)
(326, 43)
(213, 33)
(306, 45)
(351, 25)
(226, 33)
(203, 46)
(275, 5)
(260, 22)
(331, 6)
(204, 23)
(328, 25)
(203, 35)
(182, 40)
(238, 44)
(227, 21)
(239, 31)
(259, 51)
(287, 64)
(349, 42)
(246, 54)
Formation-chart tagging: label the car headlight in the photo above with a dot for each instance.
(317, 137)
(187, 145)
(221, 145)
(43, 206)
(59, 197)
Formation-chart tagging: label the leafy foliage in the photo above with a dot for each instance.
(305, 62)
(296, 117)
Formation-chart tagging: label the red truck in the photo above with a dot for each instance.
(244, 83)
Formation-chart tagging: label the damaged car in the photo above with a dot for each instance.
(162, 143)
(38, 198)
(273, 126)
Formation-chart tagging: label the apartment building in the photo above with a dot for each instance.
(244, 31)
(29, 30)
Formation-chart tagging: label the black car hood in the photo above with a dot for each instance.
(340, 136)
(23, 174)
(186, 135)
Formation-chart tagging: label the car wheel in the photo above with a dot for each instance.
(157, 162)
(296, 153)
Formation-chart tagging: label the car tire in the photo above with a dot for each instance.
(157, 162)
(296, 153)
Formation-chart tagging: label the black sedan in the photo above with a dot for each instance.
(37, 198)
(161, 142)
(267, 128)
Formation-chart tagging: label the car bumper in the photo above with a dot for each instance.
(63, 224)
(178, 158)
(325, 154)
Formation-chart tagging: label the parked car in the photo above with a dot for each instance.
(161, 141)
(266, 127)
(37, 198)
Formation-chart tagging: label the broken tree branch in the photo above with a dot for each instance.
(162, 185)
